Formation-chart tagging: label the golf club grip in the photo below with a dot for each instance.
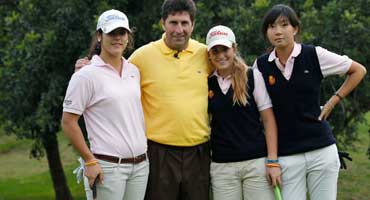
(277, 193)
(94, 188)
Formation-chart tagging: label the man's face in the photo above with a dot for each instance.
(178, 27)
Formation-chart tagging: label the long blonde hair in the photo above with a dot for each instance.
(239, 79)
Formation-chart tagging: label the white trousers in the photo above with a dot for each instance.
(315, 171)
(121, 181)
(245, 180)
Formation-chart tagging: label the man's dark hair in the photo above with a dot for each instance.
(170, 7)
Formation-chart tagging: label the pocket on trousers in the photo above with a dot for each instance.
(286, 178)
(214, 169)
(333, 158)
(220, 170)
(108, 168)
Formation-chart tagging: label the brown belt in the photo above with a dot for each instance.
(113, 159)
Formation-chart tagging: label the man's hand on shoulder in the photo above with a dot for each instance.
(81, 63)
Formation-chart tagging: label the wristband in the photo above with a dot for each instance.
(272, 161)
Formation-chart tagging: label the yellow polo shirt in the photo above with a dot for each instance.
(174, 92)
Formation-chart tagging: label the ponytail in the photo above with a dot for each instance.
(95, 46)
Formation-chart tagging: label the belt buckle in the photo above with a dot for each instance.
(133, 160)
(137, 159)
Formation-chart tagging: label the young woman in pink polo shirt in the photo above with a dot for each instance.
(293, 73)
(107, 93)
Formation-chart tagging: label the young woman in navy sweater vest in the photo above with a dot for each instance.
(237, 101)
(292, 73)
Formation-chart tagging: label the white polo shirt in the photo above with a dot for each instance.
(260, 93)
(111, 105)
(330, 63)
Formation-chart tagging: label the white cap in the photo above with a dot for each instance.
(112, 19)
(220, 35)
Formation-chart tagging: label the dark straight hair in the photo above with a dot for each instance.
(172, 6)
(95, 46)
(277, 11)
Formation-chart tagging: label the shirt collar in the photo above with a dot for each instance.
(97, 61)
(215, 73)
(296, 51)
(166, 50)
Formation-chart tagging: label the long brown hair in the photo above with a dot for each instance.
(239, 79)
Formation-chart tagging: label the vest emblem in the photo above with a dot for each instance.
(210, 94)
(272, 80)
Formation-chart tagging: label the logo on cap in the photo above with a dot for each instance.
(214, 33)
(220, 35)
(114, 17)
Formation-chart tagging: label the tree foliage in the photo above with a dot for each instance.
(41, 41)
(338, 25)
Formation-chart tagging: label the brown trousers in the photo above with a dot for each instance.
(178, 173)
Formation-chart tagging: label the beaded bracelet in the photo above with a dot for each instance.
(272, 161)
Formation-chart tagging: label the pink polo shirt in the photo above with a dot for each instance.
(111, 106)
(330, 63)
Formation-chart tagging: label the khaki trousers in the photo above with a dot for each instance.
(245, 180)
(314, 171)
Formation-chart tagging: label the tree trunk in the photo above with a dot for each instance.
(56, 169)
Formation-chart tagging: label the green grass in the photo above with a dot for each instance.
(8, 143)
(36, 187)
(24, 178)
(354, 183)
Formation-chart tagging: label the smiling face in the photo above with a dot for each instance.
(178, 28)
(114, 43)
(222, 58)
(281, 33)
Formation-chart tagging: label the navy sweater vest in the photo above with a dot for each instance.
(296, 103)
(236, 131)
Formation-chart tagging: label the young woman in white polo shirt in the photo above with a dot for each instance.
(293, 73)
(243, 156)
(107, 93)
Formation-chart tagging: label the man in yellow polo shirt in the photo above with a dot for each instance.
(174, 71)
